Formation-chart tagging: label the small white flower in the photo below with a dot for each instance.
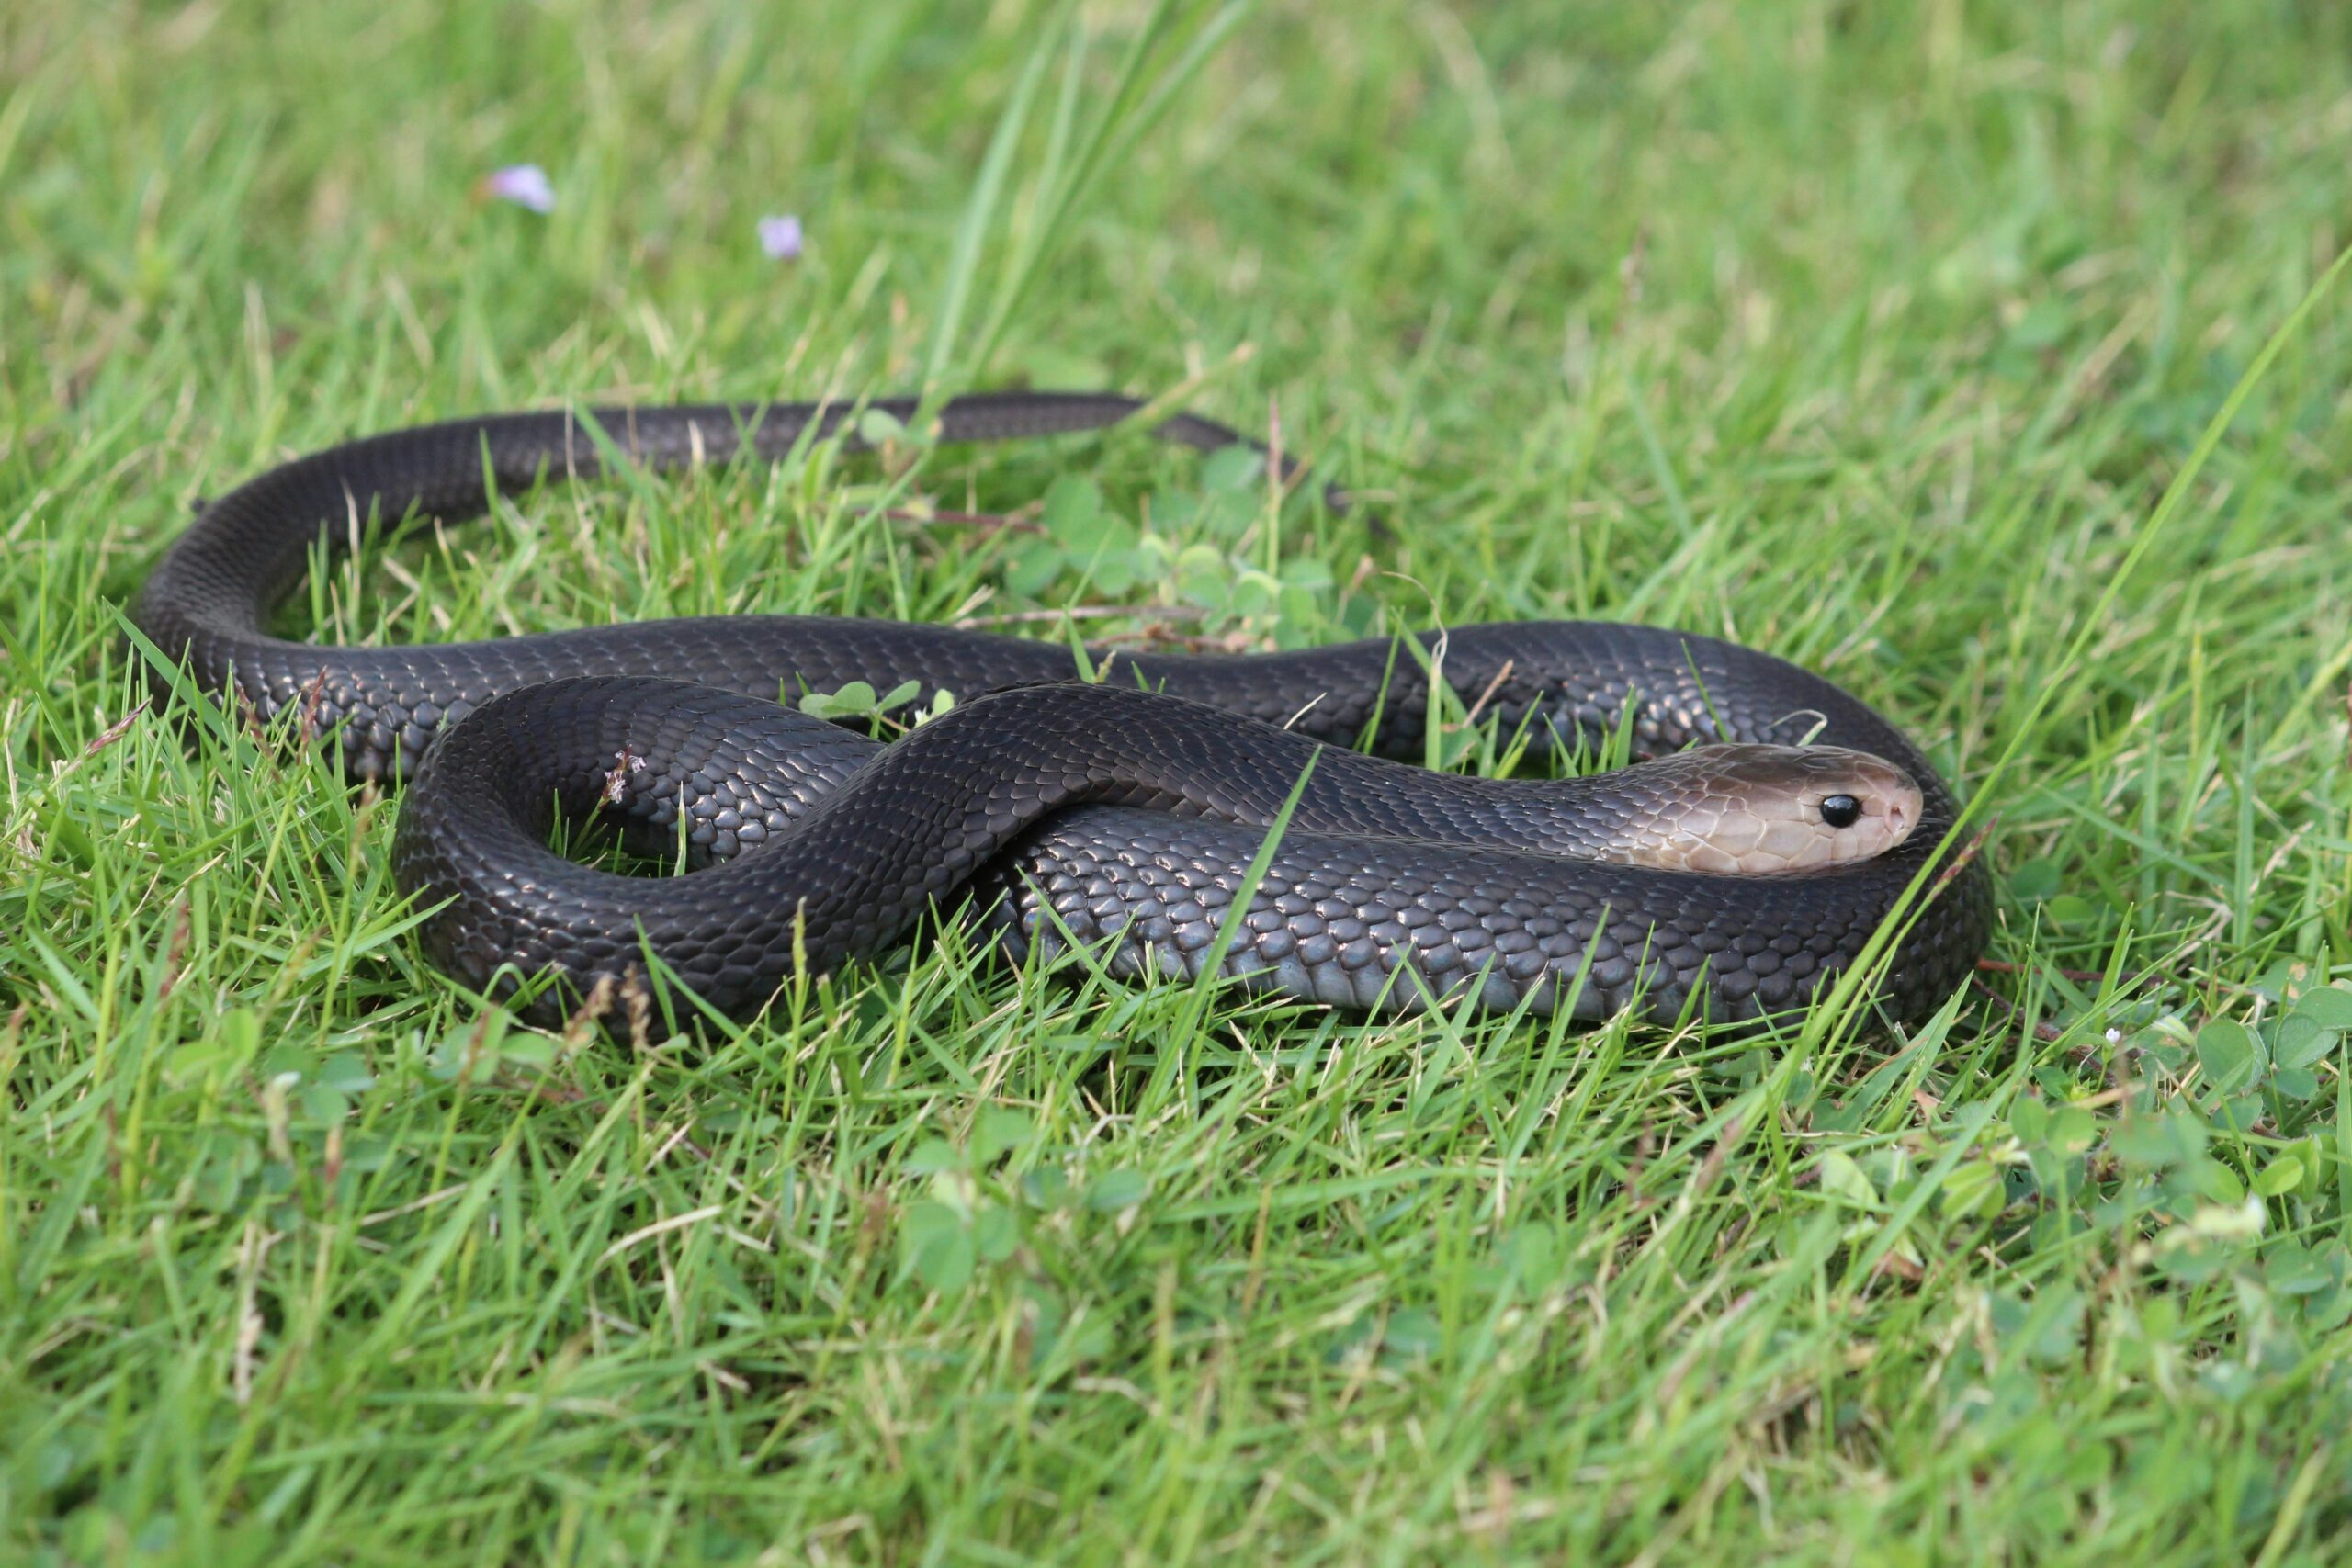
(780, 237)
(525, 185)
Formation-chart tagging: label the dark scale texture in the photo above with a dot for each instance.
(1107, 813)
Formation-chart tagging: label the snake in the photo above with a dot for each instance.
(1254, 814)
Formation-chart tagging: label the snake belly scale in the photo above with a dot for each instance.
(1122, 814)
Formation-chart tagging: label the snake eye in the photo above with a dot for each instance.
(1840, 810)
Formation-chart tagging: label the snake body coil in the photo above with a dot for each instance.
(1126, 813)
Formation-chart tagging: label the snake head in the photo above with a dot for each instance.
(1760, 810)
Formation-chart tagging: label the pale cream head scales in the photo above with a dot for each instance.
(1770, 810)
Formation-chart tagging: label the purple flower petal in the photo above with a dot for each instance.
(525, 185)
(780, 237)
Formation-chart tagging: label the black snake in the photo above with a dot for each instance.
(1123, 815)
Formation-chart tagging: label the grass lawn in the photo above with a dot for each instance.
(1874, 335)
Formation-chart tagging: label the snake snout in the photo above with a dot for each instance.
(1864, 806)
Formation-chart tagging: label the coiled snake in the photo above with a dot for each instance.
(1122, 814)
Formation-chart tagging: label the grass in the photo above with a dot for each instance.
(1870, 335)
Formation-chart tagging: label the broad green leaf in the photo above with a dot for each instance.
(2227, 1052)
